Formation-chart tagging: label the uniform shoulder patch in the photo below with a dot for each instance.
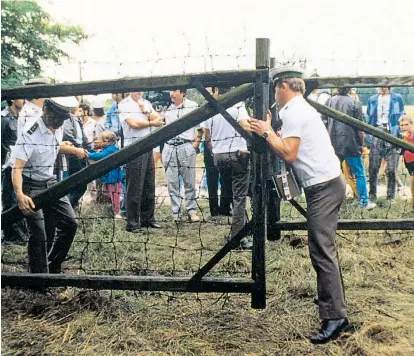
(33, 128)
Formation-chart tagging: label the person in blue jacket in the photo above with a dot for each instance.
(384, 110)
(111, 181)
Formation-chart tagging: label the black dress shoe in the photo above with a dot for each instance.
(331, 329)
(152, 224)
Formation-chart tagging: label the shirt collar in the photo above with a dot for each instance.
(30, 105)
(291, 103)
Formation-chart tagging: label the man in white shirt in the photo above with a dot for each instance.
(231, 158)
(137, 117)
(52, 228)
(179, 157)
(305, 143)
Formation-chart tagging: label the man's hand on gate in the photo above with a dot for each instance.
(26, 204)
(260, 127)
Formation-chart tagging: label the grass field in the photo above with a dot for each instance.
(378, 274)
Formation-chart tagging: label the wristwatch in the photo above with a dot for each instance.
(266, 134)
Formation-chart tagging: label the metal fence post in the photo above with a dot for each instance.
(261, 97)
(273, 201)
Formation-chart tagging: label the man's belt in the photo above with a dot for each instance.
(178, 142)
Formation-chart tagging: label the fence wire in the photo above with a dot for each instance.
(181, 248)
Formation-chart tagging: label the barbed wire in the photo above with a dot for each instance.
(181, 248)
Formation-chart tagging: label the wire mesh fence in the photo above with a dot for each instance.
(180, 248)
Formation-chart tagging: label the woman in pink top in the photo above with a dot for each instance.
(407, 129)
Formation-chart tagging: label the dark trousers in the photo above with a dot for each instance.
(140, 193)
(381, 149)
(51, 230)
(16, 232)
(75, 194)
(213, 177)
(323, 203)
(234, 172)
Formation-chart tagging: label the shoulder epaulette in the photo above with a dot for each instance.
(33, 128)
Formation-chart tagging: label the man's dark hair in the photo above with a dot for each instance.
(9, 102)
(181, 89)
(344, 91)
(85, 108)
(99, 111)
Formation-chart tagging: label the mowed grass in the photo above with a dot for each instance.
(377, 268)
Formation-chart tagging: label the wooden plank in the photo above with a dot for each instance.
(349, 224)
(130, 152)
(219, 78)
(362, 126)
(361, 81)
(141, 283)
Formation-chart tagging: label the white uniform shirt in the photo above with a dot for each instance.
(39, 147)
(29, 114)
(129, 109)
(224, 137)
(89, 128)
(383, 109)
(316, 161)
(99, 126)
(174, 113)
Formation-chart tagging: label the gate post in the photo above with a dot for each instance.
(261, 104)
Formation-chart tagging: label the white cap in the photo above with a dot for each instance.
(62, 105)
(99, 103)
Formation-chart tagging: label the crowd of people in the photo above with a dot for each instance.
(45, 140)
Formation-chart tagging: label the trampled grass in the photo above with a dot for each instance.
(378, 275)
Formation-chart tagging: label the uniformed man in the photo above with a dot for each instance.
(305, 143)
(16, 232)
(231, 158)
(52, 228)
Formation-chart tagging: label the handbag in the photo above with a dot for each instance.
(285, 183)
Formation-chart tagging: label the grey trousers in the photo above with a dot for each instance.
(180, 161)
(234, 172)
(51, 230)
(323, 203)
(381, 149)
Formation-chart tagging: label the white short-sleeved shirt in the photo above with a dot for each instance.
(129, 109)
(174, 113)
(39, 147)
(316, 161)
(89, 128)
(29, 114)
(383, 109)
(224, 137)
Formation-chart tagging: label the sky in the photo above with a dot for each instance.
(146, 38)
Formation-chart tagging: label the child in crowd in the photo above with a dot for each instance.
(112, 181)
(407, 130)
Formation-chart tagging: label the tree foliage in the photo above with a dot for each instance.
(29, 36)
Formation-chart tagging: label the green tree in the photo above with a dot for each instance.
(29, 36)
